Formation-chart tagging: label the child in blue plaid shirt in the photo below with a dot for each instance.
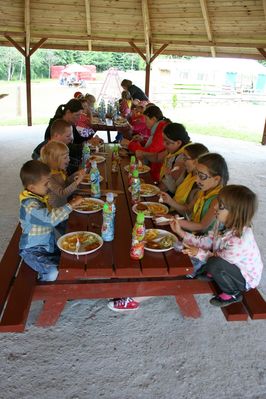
(37, 243)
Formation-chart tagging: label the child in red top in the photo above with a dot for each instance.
(140, 131)
(83, 124)
(156, 122)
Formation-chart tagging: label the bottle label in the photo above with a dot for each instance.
(137, 250)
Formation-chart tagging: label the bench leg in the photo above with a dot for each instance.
(188, 306)
(50, 313)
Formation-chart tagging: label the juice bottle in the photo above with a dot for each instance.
(135, 187)
(132, 166)
(138, 234)
(108, 226)
(95, 180)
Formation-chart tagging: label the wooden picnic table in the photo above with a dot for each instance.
(109, 126)
(108, 272)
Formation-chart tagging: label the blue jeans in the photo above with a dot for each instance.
(196, 265)
(43, 262)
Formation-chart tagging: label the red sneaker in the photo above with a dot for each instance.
(123, 304)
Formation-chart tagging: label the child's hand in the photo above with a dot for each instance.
(190, 251)
(175, 226)
(136, 137)
(139, 155)
(80, 176)
(165, 198)
(76, 201)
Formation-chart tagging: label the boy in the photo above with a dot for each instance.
(37, 243)
(62, 131)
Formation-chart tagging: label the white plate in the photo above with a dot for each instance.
(97, 158)
(155, 188)
(88, 183)
(82, 250)
(164, 207)
(143, 169)
(161, 234)
(99, 201)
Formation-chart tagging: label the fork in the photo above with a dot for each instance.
(77, 248)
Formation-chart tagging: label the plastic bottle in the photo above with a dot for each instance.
(115, 159)
(85, 154)
(108, 226)
(135, 187)
(138, 234)
(132, 166)
(95, 180)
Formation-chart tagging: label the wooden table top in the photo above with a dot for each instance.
(112, 260)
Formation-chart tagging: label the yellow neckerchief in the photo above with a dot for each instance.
(183, 190)
(59, 172)
(28, 194)
(129, 103)
(199, 204)
(169, 156)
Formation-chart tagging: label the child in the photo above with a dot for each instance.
(91, 100)
(230, 257)
(212, 174)
(63, 131)
(37, 243)
(156, 122)
(125, 103)
(56, 156)
(140, 131)
(83, 124)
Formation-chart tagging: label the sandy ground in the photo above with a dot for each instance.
(151, 353)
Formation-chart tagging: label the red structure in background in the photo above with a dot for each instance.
(81, 72)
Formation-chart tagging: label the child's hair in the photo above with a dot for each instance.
(90, 98)
(216, 165)
(126, 95)
(59, 127)
(154, 112)
(52, 151)
(241, 203)
(126, 83)
(195, 150)
(72, 105)
(32, 172)
(175, 132)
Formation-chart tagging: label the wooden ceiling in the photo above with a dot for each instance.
(218, 28)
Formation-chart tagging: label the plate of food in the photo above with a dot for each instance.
(150, 209)
(157, 240)
(87, 179)
(80, 242)
(147, 190)
(89, 205)
(97, 158)
(141, 168)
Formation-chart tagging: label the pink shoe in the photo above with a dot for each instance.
(123, 304)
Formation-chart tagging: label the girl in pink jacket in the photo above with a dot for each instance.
(229, 256)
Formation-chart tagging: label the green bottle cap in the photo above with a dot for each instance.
(132, 159)
(105, 208)
(140, 217)
(135, 173)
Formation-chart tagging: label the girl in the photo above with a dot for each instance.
(187, 190)
(56, 155)
(70, 112)
(231, 256)
(83, 124)
(212, 174)
(125, 103)
(156, 122)
(91, 100)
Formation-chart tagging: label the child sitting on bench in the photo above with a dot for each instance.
(229, 256)
(37, 243)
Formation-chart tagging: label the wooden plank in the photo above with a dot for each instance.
(188, 306)
(255, 304)
(8, 266)
(235, 312)
(16, 312)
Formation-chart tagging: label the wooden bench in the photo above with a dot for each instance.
(19, 287)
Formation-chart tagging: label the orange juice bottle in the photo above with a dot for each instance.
(138, 234)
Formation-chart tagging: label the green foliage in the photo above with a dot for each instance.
(12, 65)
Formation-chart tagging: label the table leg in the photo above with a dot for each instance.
(108, 136)
(50, 313)
(188, 306)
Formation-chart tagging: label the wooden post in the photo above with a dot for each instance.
(263, 142)
(28, 89)
(147, 79)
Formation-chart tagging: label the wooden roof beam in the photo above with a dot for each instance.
(262, 51)
(16, 45)
(88, 21)
(264, 8)
(132, 44)
(27, 26)
(207, 23)
(37, 45)
(147, 28)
